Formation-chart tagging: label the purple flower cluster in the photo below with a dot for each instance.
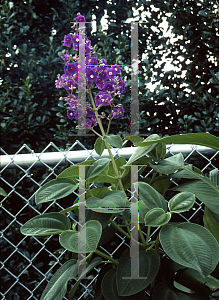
(99, 73)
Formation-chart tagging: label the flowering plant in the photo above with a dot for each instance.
(178, 260)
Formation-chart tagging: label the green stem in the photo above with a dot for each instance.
(148, 234)
(122, 231)
(107, 145)
(89, 255)
(107, 257)
(141, 236)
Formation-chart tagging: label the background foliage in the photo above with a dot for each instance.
(183, 101)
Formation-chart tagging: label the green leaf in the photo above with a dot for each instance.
(211, 223)
(169, 165)
(46, 224)
(95, 262)
(159, 152)
(161, 184)
(214, 178)
(107, 235)
(150, 196)
(55, 189)
(98, 294)
(71, 172)
(99, 145)
(113, 201)
(143, 209)
(113, 140)
(148, 267)
(181, 202)
(192, 279)
(97, 192)
(157, 217)
(98, 167)
(190, 245)
(203, 188)
(165, 291)
(2, 192)
(202, 138)
(57, 286)
(140, 152)
(90, 234)
(134, 138)
(109, 288)
(102, 218)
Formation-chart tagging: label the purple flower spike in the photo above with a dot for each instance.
(67, 40)
(80, 18)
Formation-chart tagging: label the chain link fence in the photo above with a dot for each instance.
(28, 263)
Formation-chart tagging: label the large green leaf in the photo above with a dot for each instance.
(148, 268)
(190, 245)
(140, 152)
(90, 234)
(113, 140)
(95, 262)
(113, 201)
(202, 138)
(181, 202)
(57, 286)
(157, 217)
(169, 165)
(165, 291)
(46, 224)
(55, 189)
(150, 196)
(211, 223)
(98, 167)
(109, 288)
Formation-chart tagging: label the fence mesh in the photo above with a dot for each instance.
(28, 263)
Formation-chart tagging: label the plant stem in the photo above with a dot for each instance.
(141, 236)
(122, 231)
(107, 257)
(148, 234)
(107, 145)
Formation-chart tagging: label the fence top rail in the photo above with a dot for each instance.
(61, 157)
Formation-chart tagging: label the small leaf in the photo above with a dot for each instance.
(148, 268)
(142, 151)
(190, 245)
(181, 202)
(150, 196)
(46, 224)
(157, 217)
(2, 192)
(55, 189)
(99, 146)
(98, 167)
(113, 140)
(57, 286)
(90, 234)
